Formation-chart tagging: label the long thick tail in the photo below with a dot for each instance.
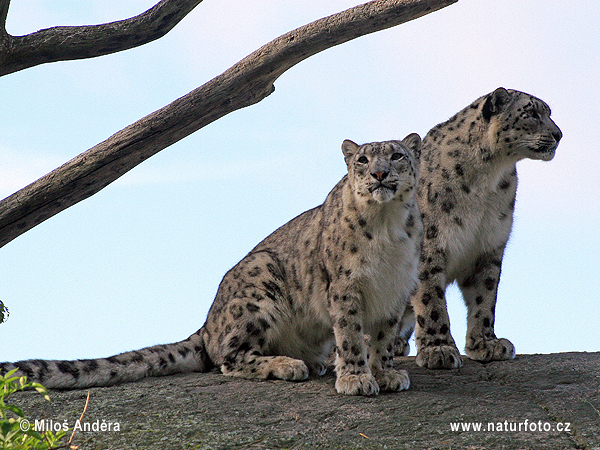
(185, 356)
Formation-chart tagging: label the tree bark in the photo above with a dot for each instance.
(244, 84)
(67, 43)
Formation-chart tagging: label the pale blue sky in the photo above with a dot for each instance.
(139, 263)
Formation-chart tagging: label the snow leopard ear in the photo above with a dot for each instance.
(349, 149)
(494, 103)
(413, 142)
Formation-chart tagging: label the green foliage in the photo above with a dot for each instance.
(17, 432)
(3, 312)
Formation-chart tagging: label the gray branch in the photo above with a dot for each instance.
(244, 84)
(80, 42)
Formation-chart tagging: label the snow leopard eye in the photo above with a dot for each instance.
(397, 156)
(363, 160)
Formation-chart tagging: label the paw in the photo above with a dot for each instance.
(393, 380)
(363, 384)
(401, 347)
(284, 368)
(319, 369)
(439, 357)
(491, 350)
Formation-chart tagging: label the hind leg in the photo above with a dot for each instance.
(405, 331)
(246, 350)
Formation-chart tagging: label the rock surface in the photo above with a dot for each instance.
(554, 399)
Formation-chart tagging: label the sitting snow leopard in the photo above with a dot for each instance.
(467, 195)
(335, 272)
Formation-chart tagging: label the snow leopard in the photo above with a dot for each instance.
(466, 195)
(324, 280)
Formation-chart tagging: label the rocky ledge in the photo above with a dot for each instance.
(532, 402)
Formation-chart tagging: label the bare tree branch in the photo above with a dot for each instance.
(67, 43)
(4, 4)
(246, 83)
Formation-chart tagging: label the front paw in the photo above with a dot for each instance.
(439, 357)
(491, 350)
(393, 380)
(363, 384)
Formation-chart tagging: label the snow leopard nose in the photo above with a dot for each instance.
(557, 135)
(379, 176)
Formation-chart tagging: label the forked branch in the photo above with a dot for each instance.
(246, 83)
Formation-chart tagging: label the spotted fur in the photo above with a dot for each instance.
(327, 277)
(467, 195)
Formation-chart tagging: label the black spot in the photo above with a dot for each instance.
(90, 365)
(272, 290)
(67, 367)
(353, 249)
(434, 315)
(183, 351)
(381, 335)
(251, 307)
(244, 347)
(342, 322)
(431, 331)
(479, 299)
(426, 298)
(432, 232)
(421, 321)
(263, 324)
(171, 358)
(459, 170)
(439, 291)
(276, 268)
(466, 189)
(362, 222)
(368, 235)
(23, 367)
(424, 275)
(137, 357)
(355, 350)
(490, 283)
(255, 271)
(444, 329)
(504, 184)
(447, 206)
(234, 342)
(486, 322)
(436, 269)
(236, 311)
(252, 329)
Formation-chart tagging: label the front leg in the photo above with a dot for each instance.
(435, 346)
(480, 291)
(353, 374)
(382, 357)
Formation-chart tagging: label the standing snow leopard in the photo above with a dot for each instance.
(335, 272)
(467, 195)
